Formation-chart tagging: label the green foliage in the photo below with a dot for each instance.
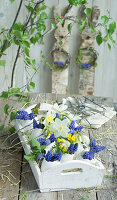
(11, 1)
(69, 27)
(2, 63)
(36, 149)
(1, 127)
(87, 11)
(6, 107)
(77, 2)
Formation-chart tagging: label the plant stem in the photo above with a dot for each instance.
(5, 42)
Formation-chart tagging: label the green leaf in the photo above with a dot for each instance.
(60, 43)
(32, 84)
(87, 11)
(1, 127)
(6, 107)
(53, 24)
(92, 28)
(2, 63)
(43, 15)
(109, 46)
(99, 40)
(12, 129)
(104, 19)
(13, 115)
(34, 62)
(69, 27)
(26, 43)
(30, 157)
(28, 88)
(18, 34)
(11, 1)
(35, 143)
(112, 28)
(5, 95)
(26, 51)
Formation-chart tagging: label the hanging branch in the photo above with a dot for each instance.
(17, 14)
(18, 51)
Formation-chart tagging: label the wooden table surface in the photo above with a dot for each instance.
(17, 180)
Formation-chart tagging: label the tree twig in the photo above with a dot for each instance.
(5, 42)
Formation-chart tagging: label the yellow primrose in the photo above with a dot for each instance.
(59, 140)
(48, 118)
(64, 149)
(73, 138)
(69, 136)
(60, 146)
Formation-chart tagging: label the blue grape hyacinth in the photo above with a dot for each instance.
(73, 148)
(45, 142)
(36, 125)
(23, 115)
(88, 155)
(41, 156)
(60, 63)
(56, 156)
(86, 66)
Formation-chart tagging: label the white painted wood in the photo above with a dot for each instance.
(106, 72)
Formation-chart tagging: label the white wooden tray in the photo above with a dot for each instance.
(69, 175)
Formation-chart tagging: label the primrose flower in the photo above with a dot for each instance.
(60, 127)
(71, 138)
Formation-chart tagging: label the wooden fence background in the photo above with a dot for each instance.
(106, 72)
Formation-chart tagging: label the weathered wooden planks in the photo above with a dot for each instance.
(10, 166)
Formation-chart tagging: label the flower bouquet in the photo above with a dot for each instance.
(57, 149)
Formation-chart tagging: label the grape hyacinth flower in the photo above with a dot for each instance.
(73, 148)
(60, 63)
(88, 155)
(45, 142)
(86, 66)
(36, 125)
(56, 156)
(41, 156)
(79, 128)
(96, 148)
(23, 115)
(48, 156)
(52, 138)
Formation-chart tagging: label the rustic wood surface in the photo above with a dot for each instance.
(17, 180)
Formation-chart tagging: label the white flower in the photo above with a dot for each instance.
(60, 109)
(60, 128)
(49, 117)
